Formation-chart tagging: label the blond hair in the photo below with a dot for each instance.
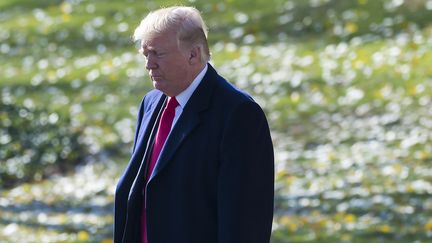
(185, 21)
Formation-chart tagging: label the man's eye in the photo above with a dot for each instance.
(153, 54)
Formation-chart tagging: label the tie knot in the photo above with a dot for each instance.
(172, 103)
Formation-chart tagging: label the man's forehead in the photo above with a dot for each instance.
(151, 44)
(149, 41)
(158, 41)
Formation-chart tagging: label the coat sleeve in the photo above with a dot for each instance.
(246, 178)
(138, 123)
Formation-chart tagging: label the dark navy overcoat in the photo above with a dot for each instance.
(214, 180)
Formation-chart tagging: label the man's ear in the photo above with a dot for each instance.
(195, 55)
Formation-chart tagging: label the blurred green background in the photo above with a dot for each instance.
(346, 85)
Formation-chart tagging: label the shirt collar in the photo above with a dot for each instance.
(184, 96)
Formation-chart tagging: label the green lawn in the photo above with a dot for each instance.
(346, 85)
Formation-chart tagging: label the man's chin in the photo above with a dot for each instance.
(157, 85)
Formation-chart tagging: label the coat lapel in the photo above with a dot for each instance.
(188, 121)
(176, 137)
(149, 119)
(143, 147)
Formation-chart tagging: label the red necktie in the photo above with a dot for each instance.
(161, 135)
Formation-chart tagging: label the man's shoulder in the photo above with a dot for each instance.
(153, 94)
(229, 92)
(152, 97)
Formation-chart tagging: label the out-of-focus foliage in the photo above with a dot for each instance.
(76, 208)
(35, 144)
(346, 85)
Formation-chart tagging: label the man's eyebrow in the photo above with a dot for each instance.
(150, 48)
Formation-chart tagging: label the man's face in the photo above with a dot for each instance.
(167, 64)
